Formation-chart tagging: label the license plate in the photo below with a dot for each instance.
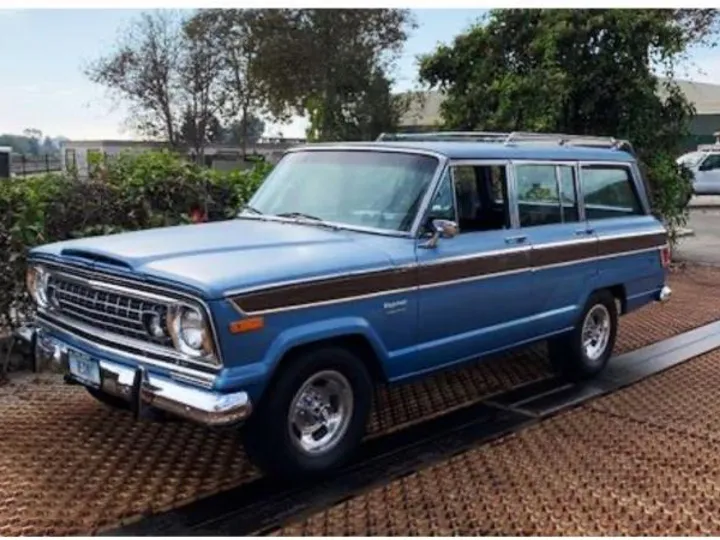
(84, 368)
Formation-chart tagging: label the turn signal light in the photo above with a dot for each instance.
(247, 325)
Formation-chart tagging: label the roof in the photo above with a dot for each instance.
(424, 108)
(483, 150)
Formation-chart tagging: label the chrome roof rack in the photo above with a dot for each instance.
(511, 138)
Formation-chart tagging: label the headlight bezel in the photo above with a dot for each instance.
(36, 281)
(176, 319)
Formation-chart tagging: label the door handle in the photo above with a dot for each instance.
(584, 232)
(515, 239)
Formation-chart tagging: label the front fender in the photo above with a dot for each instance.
(258, 374)
(321, 330)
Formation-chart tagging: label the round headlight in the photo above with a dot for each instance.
(190, 331)
(37, 284)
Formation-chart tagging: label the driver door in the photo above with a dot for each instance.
(473, 288)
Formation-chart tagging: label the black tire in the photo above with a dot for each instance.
(111, 401)
(567, 353)
(267, 435)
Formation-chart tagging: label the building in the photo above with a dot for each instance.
(76, 155)
(424, 112)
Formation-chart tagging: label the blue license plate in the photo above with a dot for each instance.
(84, 368)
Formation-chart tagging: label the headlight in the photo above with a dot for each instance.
(190, 332)
(37, 282)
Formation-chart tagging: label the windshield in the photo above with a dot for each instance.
(363, 188)
(690, 159)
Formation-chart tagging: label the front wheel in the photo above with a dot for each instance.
(584, 352)
(313, 416)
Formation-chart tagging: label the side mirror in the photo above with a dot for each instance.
(442, 228)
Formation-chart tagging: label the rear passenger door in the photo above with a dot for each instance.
(564, 246)
(629, 236)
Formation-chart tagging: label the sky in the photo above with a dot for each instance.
(43, 53)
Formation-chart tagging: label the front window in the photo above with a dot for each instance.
(381, 190)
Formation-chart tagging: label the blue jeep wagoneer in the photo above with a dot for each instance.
(352, 264)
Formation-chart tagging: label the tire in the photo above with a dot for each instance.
(271, 436)
(577, 360)
(111, 401)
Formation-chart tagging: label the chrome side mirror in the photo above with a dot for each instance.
(443, 228)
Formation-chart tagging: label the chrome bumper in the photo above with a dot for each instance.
(142, 389)
(664, 294)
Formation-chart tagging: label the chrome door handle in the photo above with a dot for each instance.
(515, 239)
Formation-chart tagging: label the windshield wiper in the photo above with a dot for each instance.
(299, 215)
(252, 209)
(308, 218)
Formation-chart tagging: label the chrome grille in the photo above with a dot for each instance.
(108, 311)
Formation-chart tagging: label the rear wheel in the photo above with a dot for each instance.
(584, 352)
(313, 415)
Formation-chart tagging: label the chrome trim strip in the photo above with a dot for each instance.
(481, 277)
(474, 256)
(109, 287)
(424, 206)
(171, 368)
(174, 296)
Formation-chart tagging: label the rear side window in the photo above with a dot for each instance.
(546, 194)
(609, 192)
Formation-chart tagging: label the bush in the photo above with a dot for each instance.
(132, 192)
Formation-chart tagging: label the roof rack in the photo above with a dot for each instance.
(512, 138)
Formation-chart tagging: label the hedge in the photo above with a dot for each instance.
(130, 192)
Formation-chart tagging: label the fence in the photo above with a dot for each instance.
(22, 164)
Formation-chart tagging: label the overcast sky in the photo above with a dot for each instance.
(43, 52)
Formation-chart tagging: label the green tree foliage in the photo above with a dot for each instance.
(579, 71)
(333, 65)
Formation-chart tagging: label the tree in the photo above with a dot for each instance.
(331, 64)
(238, 36)
(201, 89)
(144, 71)
(580, 72)
(242, 133)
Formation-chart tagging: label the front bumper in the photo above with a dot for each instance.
(143, 389)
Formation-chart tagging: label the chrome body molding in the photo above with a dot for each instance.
(143, 389)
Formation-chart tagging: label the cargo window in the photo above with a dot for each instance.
(609, 192)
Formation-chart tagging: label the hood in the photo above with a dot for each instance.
(216, 257)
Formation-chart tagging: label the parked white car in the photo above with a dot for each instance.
(705, 166)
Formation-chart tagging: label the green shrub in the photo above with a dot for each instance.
(131, 192)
